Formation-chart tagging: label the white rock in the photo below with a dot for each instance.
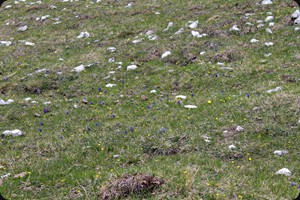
(8, 6)
(165, 54)
(83, 35)
(47, 102)
(266, 2)
(13, 133)
(296, 14)
(280, 152)
(190, 106)
(194, 24)
(169, 25)
(179, 31)
(5, 43)
(110, 85)
(131, 67)
(284, 171)
(75, 106)
(80, 68)
(268, 30)
(5, 176)
(23, 28)
(202, 53)
(116, 156)
(9, 101)
(44, 17)
(297, 21)
(249, 24)
(267, 54)
(260, 25)
(27, 99)
(153, 91)
(274, 90)
(269, 18)
(180, 97)
(137, 41)
(271, 24)
(254, 40)
(29, 44)
(268, 44)
(152, 37)
(297, 29)
(34, 102)
(111, 49)
(231, 147)
(129, 5)
(239, 129)
(234, 28)
(111, 60)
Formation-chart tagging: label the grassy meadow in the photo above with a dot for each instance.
(79, 134)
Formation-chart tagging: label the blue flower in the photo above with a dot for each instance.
(162, 130)
(100, 102)
(131, 129)
(293, 184)
(178, 102)
(40, 130)
(148, 107)
(67, 111)
(248, 95)
(99, 89)
(41, 123)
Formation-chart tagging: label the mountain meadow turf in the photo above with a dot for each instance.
(82, 137)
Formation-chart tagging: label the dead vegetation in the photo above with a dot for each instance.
(130, 185)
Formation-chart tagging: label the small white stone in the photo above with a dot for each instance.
(239, 129)
(165, 54)
(268, 30)
(268, 44)
(131, 67)
(266, 2)
(269, 18)
(284, 171)
(47, 102)
(27, 99)
(202, 53)
(274, 90)
(296, 14)
(6, 43)
(180, 97)
(297, 21)
(111, 49)
(116, 156)
(29, 44)
(111, 60)
(129, 5)
(179, 31)
(110, 85)
(80, 68)
(13, 133)
(137, 41)
(234, 28)
(280, 152)
(231, 147)
(193, 24)
(9, 101)
(271, 24)
(169, 25)
(190, 106)
(23, 28)
(254, 40)
(83, 35)
(153, 91)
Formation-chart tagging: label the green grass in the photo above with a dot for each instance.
(71, 155)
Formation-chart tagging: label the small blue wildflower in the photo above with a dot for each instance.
(148, 107)
(40, 130)
(223, 75)
(88, 128)
(113, 115)
(93, 88)
(160, 99)
(162, 130)
(97, 124)
(131, 129)
(60, 137)
(293, 184)
(178, 102)
(216, 75)
(76, 101)
(298, 186)
(193, 94)
(154, 118)
(105, 91)
(191, 122)
(62, 130)
(125, 132)
(153, 103)
(67, 112)
(248, 95)
(41, 123)
(46, 110)
(91, 103)
(99, 89)
(100, 102)
(6, 78)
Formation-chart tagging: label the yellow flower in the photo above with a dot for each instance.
(209, 102)
(249, 159)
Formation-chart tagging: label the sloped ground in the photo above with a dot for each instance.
(79, 134)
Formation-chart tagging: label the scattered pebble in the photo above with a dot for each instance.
(153, 91)
(274, 90)
(269, 18)
(13, 133)
(192, 24)
(239, 129)
(180, 97)
(231, 147)
(169, 25)
(111, 49)
(234, 28)
(83, 35)
(165, 54)
(268, 44)
(266, 2)
(5, 43)
(9, 101)
(110, 85)
(23, 28)
(284, 171)
(268, 30)
(190, 106)
(131, 67)
(80, 68)
(254, 40)
(280, 152)
(29, 44)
